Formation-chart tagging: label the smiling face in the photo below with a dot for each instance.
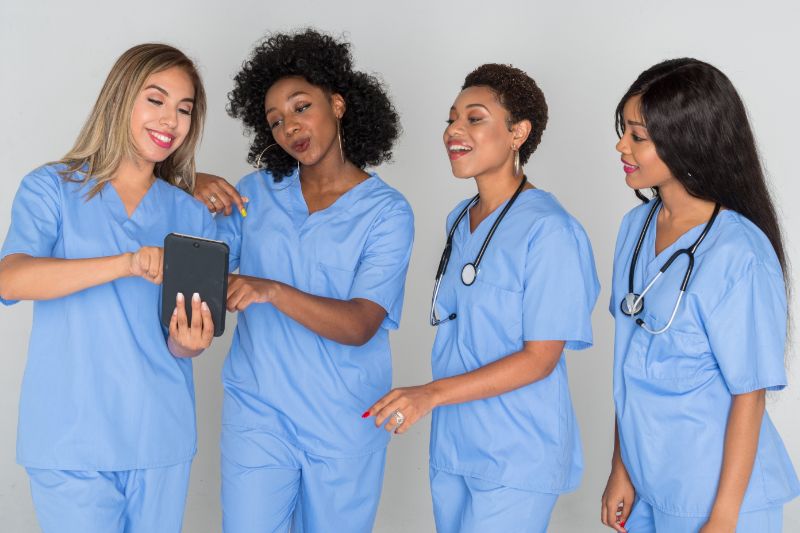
(303, 119)
(477, 138)
(162, 114)
(640, 161)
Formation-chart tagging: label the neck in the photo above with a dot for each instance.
(495, 189)
(134, 173)
(330, 173)
(679, 205)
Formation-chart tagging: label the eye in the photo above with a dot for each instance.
(302, 107)
(636, 138)
(474, 120)
(275, 124)
(155, 101)
(184, 111)
(449, 121)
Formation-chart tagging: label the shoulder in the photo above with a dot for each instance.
(182, 201)
(739, 245)
(545, 216)
(385, 197)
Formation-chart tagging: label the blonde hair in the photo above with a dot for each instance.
(105, 139)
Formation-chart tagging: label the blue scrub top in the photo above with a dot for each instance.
(673, 391)
(281, 377)
(537, 281)
(101, 391)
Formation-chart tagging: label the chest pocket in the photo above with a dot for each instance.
(333, 281)
(677, 355)
(492, 320)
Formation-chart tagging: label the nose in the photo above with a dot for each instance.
(622, 145)
(169, 117)
(290, 126)
(453, 129)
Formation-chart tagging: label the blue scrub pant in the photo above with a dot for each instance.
(464, 504)
(150, 500)
(645, 519)
(269, 485)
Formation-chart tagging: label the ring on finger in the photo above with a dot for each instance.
(399, 417)
(212, 198)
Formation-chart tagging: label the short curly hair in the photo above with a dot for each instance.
(370, 124)
(519, 94)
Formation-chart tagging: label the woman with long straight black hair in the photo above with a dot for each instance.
(700, 301)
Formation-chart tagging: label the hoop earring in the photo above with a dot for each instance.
(258, 158)
(517, 168)
(339, 137)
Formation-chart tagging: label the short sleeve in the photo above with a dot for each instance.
(381, 273)
(35, 218)
(747, 331)
(229, 231)
(560, 289)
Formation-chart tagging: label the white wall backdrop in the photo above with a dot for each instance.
(54, 56)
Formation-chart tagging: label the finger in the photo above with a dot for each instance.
(180, 303)
(380, 404)
(407, 423)
(627, 507)
(208, 324)
(173, 324)
(224, 200)
(157, 265)
(197, 318)
(613, 517)
(232, 195)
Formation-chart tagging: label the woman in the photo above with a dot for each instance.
(106, 422)
(322, 257)
(696, 350)
(518, 289)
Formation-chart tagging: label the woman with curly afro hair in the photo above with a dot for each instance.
(516, 286)
(322, 258)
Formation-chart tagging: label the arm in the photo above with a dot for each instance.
(534, 362)
(23, 277)
(352, 322)
(739, 454)
(617, 500)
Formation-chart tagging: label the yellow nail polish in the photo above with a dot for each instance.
(243, 211)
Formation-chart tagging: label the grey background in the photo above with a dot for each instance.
(54, 56)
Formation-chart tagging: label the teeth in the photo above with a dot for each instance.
(459, 148)
(161, 137)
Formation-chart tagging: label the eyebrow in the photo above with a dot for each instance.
(453, 108)
(634, 123)
(165, 93)
(296, 93)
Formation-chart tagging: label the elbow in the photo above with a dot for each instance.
(6, 286)
(359, 336)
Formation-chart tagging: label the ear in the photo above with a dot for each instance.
(338, 105)
(520, 132)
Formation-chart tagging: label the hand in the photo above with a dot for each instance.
(246, 290)
(412, 402)
(617, 500)
(188, 340)
(148, 263)
(218, 194)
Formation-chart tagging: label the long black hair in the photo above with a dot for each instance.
(700, 129)
(370, 124)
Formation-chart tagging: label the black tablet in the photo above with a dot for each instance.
(195, 265)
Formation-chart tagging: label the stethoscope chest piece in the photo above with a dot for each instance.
(632, 304)
(468, 274)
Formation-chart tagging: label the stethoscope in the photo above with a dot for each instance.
(633, 304)
(469, 272)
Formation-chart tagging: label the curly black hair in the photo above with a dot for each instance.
(370, 124)
(519, 94)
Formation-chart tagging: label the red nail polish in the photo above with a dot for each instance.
(365, 415)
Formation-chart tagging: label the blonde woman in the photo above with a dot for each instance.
(106, 422)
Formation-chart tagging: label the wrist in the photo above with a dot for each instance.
(724, 515)
(179, 351)
(436, 391)
(124, 269)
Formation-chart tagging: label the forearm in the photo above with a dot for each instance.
(616, 457)
(533, 363)
(741, 443)
(352, 322)
(23, 277)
